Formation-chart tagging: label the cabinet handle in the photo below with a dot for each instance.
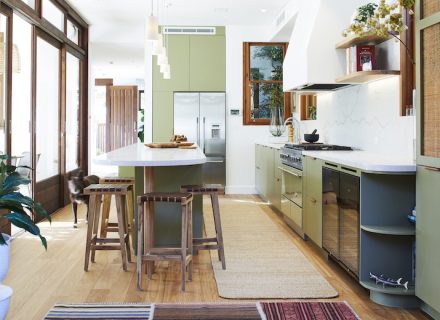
(258, 168)
(432, 169)
(313, 200)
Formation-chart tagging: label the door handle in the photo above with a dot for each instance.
(432, 169)
(198, 131)
(215, 161)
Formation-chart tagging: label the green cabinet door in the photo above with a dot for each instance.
(428, 237)
(178, 58)
(277, 180)
(258, 171)
(313, 199)
(207, 63)
(162, 115)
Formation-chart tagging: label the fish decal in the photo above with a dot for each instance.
(388, 281)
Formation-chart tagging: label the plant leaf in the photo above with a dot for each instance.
(2, 240)
(15, 180)
(23, 221)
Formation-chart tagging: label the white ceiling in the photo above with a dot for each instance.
(120, 24)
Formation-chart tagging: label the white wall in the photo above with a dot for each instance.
(240, 140)
(365, 117)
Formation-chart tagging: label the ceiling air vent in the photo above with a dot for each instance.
(202, 31)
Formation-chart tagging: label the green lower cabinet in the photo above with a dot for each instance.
(428, 237)
(267, 176)
(312, 197)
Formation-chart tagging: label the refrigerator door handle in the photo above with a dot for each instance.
(198, 131)
(204, 133)
(215, 161)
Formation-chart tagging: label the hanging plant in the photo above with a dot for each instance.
(381, 19)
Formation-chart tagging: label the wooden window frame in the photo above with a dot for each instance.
(247, 119)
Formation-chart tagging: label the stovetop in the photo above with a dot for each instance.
(315, 146)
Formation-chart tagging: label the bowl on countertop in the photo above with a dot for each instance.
(311, 137)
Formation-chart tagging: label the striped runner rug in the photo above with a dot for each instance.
(306, 311)
(101, 311)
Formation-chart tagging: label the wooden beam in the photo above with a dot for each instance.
(103, 82)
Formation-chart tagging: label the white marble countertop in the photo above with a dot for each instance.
(366, 161)
(138, 155)
(275, 145)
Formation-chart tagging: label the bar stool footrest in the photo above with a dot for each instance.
(204, 240)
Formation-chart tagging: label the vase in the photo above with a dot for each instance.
(4, 257)
(5, 299)
(276, 126)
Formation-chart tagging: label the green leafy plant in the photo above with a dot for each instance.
(14, 205)
(141, 130)
(383, 20)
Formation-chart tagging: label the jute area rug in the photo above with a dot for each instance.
(261, 261)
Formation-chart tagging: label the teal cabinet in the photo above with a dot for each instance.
(312, 197)
(207, 63)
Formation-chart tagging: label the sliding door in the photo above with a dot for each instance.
(3, 80)
(47, 124)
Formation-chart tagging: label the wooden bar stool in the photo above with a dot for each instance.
(96, 193)
(145, 247)
(215, 243)
(106, 225)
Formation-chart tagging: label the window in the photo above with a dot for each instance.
(72, 32)
(30, 3)
(263, 82)
(53, 14)
(72, 112)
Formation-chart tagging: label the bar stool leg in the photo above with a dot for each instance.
(184, 245)
(105, 215)
(120, 212)
(149, 243)
(190, 240)
(140, 245)
(218, 229)
(130, 214)
(92, 203)
(96, 224)
(125, 226)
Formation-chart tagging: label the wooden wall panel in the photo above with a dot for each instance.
(122, 117)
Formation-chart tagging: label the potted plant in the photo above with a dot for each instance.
(14, 207)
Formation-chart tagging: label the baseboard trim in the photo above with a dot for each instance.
(430, 311)
(240, 190)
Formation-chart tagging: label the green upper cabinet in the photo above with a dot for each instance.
(207, 63)
(162, 115)
(178, 58)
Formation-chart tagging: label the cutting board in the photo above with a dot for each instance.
(186, 145)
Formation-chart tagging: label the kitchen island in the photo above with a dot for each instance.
(162, 170)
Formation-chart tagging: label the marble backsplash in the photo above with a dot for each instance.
(365, 117)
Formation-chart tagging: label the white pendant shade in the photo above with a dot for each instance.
(158, 47)
(164, 68)
(151, 28)
(162, 60)
(167, 75)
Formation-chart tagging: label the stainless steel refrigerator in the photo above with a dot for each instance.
(201, 117)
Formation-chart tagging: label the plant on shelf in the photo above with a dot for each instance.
(14, 206)
(383, 20)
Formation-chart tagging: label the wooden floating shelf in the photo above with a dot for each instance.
(367, 76)
(353, 41)
(390, 230)
(371, 285)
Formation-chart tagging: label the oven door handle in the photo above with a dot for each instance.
(290, 172)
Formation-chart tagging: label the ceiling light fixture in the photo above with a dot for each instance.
(151, 26)
(263, 10)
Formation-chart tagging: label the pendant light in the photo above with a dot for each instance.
(151, 26)
(164, 68)
(158, 45)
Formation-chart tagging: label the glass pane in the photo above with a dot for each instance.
(47, 122)
(263, 97)
(30, 3)
(266, 63)
(3, 60)
(72, 32)
(431, 91)
(429, 7)
(72, 112)
(53, 14)
(21, 97)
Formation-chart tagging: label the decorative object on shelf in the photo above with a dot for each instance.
(312, 112)
(361, 58)
(412, 217)
(311, 137)
(383, 20)
(388, 281)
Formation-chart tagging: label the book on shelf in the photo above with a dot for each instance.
(360, 58)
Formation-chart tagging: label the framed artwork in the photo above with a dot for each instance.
(141, 100)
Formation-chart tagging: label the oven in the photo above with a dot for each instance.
(292, 197)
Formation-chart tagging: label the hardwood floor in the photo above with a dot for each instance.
(41, 278)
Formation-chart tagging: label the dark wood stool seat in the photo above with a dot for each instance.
(96, 192)
(106, 225)
(210, 243)
(146, 252)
